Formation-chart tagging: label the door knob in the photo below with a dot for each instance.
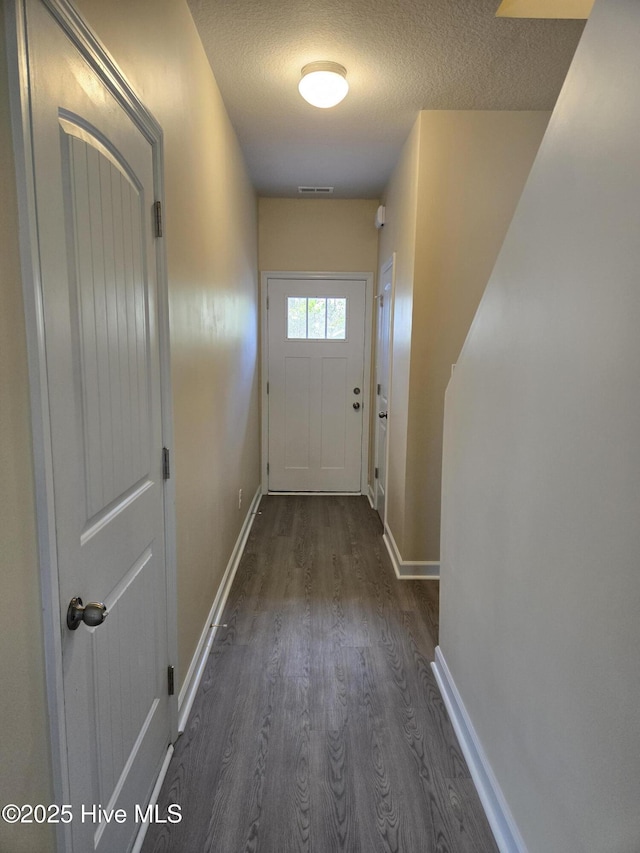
(382, 414)
(92, 614)
(356, 405)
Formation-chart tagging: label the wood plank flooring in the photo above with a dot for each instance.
(318, 726)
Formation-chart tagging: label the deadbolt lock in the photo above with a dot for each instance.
(356, 390)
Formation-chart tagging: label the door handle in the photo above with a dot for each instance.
(356, 405)
(92, 614)
(383, 414)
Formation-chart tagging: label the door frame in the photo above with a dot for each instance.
(390, 264)
(367, 277)
(102, 63)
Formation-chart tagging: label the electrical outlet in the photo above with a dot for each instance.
(239, 498)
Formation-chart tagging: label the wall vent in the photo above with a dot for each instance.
(315, 191)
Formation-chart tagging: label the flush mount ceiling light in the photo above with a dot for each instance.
(323, 84)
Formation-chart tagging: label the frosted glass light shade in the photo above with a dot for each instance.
(323, 84)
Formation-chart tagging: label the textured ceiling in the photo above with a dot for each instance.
(401, 56)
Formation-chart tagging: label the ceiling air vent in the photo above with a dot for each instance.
(315, 191)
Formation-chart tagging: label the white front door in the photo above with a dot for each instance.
(93, 172)
(385, 295)
(316, 399)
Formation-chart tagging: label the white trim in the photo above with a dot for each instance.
(372, 497)
(199, 660)
(390, 390)
(389, 264)
(264, 397)
(500, 819)
(40, 426)
(367, 277)
(144, 826)
(409, 570)
(99, 59)
(166, 415)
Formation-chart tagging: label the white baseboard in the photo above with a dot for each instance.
(199, 660)
(144, 826)
(409, 570)
(501, 821)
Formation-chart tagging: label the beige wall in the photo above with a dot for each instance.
(211, 233)
(540, 586)
(25, 767)
(469, 168)
(319, 235)
(473, 167)
(212, 262)
(324, 235)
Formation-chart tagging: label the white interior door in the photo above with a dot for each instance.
(385, 295)
(94, 187)
(316, 337)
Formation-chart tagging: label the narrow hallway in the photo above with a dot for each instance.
(318, 725)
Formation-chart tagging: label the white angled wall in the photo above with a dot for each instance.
(540, 622)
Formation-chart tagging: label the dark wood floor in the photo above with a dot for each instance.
(318, 725)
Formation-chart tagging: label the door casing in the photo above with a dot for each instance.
(389, 266)
(96, 55)
(367, 277)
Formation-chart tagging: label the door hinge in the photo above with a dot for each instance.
(267, 467)
(157, 211)
(267, 302)
(375, 474)
(166, 464)
(267, 387)
(170, 681)
(382, 300)
(379, 389)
